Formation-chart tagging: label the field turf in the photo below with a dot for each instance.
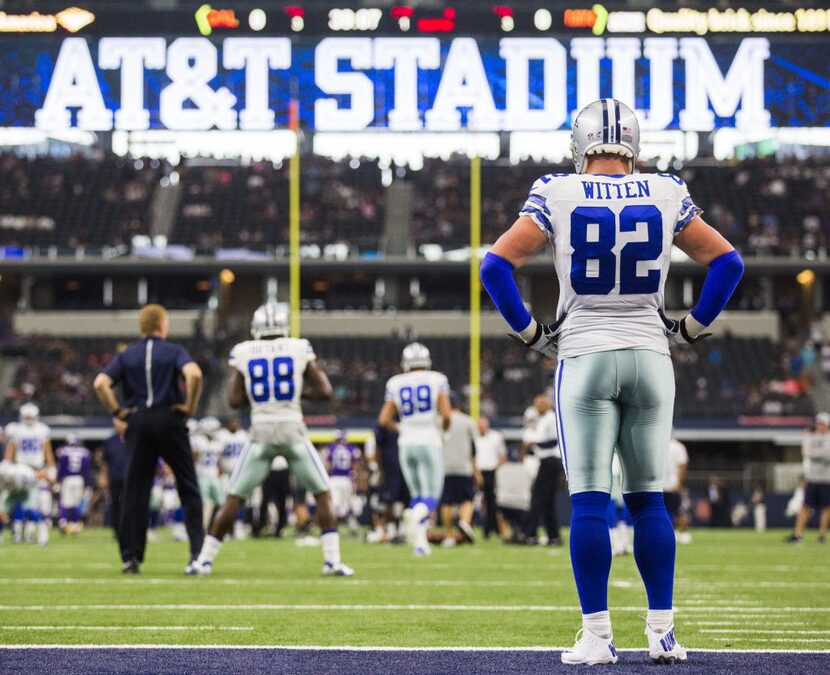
(735, 590)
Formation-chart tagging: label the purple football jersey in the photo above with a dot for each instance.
(341, 459)
(74, 460)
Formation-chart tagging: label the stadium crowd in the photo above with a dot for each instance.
(726, 377)
(766, 206)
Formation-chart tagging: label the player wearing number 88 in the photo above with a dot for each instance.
(420, 398)
(271, 373)
(611, 232)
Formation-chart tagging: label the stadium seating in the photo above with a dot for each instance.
(57, 372)
(247, 206)
(765, 207)
(725, 377)
(75, 201)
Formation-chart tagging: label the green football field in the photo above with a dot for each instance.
(735, 589)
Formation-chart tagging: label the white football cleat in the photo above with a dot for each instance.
(663, 647)
(340, 570)
(422, 551)
(590, 649)
(197, 569)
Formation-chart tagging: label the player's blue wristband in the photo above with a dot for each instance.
(497, 277)
(721, 281)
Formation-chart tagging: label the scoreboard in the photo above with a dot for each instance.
(467, 18)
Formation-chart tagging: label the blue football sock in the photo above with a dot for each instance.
(654, 546)
(591, 549)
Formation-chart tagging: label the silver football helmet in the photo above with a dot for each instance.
(270, 320)
(605, 126)
(415, 355)
(29, 412)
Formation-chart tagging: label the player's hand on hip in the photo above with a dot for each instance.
(543, 337)
(685, 331)
(182, 409)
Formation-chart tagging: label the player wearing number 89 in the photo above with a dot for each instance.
(271, 373)
(420, 397)
(611, 231)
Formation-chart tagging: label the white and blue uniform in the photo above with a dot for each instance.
(420, 443)
(611, 238)
(233, 443)
(273, 371)
(208, 452)
(30, 450)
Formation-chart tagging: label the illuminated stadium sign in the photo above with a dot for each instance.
(71, 19)
(408, 83)
(685, 20)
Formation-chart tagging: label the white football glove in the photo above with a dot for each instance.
(686, 331)
(543, 337)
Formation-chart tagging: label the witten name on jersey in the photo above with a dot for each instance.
(416, 396)
(29, 442)
(611, 239)
(273, 372)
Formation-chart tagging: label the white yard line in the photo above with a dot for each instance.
(350, 648)
(787, 639)
(62, 627)
(693, 598)
(767, 622)
(449, 583)
(765, 631)
(761, 611)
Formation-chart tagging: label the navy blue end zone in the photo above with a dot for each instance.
(158, 660)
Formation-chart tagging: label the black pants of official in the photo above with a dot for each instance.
(488, 492)
(116, 489)
(543, 498)
(275, 490)
(153, 434)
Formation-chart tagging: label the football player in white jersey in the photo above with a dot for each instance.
(233, 439)
(27, 442)
(271, 373)
(207, 451)
(15, 482)
(419, 397)
(611, 231)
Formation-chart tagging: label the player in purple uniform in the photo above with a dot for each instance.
(75, 480)
(343, 461)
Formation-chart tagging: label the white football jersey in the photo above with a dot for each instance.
(30, 443)
(416, 396)
(209, 450)
(677, 457)
(233, 443)
(273, 372)
(611, 239)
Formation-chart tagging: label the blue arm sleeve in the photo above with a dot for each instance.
(497, 277)
(721, 281)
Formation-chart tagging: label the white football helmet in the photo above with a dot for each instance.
(605, 126)
(415, 355)
(192, 425)
(209, 425)
(270, 320)
(29, 412)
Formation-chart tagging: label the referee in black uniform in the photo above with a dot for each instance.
(150, 372)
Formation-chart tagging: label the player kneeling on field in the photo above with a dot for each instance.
(271, 373)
